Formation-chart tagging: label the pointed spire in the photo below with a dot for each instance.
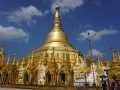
(57, 23)
(118, 56)
(113, 55)
(108, 63)
(40, 61)
(14, 60)
(23, 62)
(65, 55)
(2, 50)
(57, 15)
(85, 61)
(32, 57)
(17, 64)
(99, 63)
(2, 60)
(8, 62)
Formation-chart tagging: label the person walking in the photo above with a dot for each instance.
(103, 84)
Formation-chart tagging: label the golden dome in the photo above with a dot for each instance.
(56, 38)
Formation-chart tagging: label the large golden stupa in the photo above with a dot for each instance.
(56, 62)
(56, 39)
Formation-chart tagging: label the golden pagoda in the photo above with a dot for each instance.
(56, 38)
(115, 65)
(56, 62)
(53, 58)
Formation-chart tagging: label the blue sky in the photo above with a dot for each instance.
(24, 24)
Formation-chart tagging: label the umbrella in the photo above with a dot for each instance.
(111, 80)
(103, 76)
(117, 79)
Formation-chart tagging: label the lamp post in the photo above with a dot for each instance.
(91, 55)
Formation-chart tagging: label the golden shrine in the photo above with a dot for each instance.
(56, 62)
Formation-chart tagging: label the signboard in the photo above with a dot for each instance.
(79, 75)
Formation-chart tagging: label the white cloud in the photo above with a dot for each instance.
(12, 33)
(25, 14)
(87, 25)
(66, 5)
(98, 35)
(96, 53)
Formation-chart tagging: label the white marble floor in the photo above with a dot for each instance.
(14, 89)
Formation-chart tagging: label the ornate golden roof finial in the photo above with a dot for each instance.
(23, 62)
(17, 63)
(3, 57)
(108, 63)
(8, 62)
(2, 50)
(57, 17)
(65, 55)
(85, 61)
(57, 7)
(32, 56)
(113, 55)
(118, 56)
(99, 63)
(40, 61)
(14, 60)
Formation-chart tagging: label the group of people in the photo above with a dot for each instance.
(110, 85)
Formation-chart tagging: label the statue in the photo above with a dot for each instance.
(68, 78)
(9, 78)
(30, 78)
(57, 78)
(58, 66)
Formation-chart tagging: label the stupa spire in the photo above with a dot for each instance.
(32, 57)
(14, 60)
(99, 63)
(56, 36)
(118, 56)
(85, 61)
(57, 23)
(23, 62)
(8, 62)
(40, 62)
(113, 55)
(2, 62)
(2, 50)
(17, 64)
